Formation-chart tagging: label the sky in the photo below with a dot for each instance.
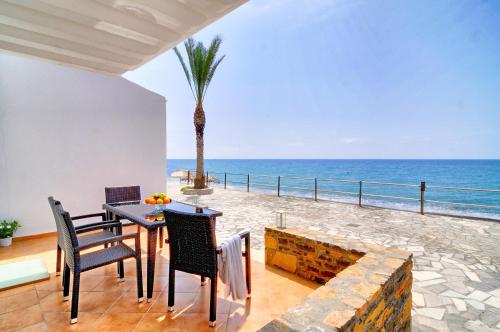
(343, 79)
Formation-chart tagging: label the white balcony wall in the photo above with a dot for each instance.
(69, 133)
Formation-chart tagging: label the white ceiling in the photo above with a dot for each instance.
(111, 36)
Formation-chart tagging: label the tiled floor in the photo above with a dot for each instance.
(107, 305)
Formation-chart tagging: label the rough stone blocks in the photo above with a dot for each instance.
(367, 287)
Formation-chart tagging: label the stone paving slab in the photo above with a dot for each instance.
(456, 260)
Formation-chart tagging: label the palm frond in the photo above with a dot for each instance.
(199, 62)
(186, 71)
(213, 49)
(202, 65)
(212, 72)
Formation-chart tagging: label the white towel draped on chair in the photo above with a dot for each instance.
(231, 268)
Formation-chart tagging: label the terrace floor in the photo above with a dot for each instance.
(456, 273)
(108, 305)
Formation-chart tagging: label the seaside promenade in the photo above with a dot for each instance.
(456, 275)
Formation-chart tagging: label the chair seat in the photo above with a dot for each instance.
(90, 238)
(105, 256)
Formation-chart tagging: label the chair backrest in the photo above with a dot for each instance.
(117, 195)
(192, 243)
(65, 231)
(54, 205)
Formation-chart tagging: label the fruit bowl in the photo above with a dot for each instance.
(158, 200)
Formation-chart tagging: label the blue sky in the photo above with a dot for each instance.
(343, 79)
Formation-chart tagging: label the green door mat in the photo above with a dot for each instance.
(22, 273)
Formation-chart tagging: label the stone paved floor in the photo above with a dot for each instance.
(456, 261)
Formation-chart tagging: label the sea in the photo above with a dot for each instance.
(385, 183)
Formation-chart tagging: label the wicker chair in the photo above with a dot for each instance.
(106, 227)
(125, 196)
(77, 262)
(193, 249)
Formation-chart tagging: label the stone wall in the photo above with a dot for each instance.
(313, 260)
(369, 287)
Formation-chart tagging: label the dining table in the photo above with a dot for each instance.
(143, 216)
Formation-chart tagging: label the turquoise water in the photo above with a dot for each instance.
(454, 173)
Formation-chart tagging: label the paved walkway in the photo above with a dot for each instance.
(456, 261)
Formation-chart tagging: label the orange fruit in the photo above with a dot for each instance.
(159, 201)
(152, 201)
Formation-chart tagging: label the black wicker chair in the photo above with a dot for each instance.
(77, 262)
(125, 196)
(106, 226)
(193, 249)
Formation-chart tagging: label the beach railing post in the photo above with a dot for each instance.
(422, 196)
(316, 189)
(225, 180)
(189, 176)
(279, 183)
(248, 183)
(360, 192)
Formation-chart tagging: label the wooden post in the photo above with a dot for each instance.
(225, 180)
(360, 192)
(206, 180)
(279, 182)
(248, 183)
(316, 189)
(189, 176)
(422, 196)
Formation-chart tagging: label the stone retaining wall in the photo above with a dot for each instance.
(367, 287)
(310, 259)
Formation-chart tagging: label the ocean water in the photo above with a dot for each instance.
(297, 179)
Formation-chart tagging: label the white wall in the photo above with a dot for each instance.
(69, 133)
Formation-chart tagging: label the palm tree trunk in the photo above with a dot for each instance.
(199, 125)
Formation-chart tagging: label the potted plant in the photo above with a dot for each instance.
(7, 229)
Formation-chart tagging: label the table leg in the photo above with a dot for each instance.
(161, 237)
(152, 239)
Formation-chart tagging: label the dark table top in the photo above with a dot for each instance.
(137, 213)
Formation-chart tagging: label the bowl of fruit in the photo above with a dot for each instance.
(159, 200)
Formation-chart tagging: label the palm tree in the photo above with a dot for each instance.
(202, 66)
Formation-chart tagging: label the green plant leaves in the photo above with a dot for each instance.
(202, 65)
(7, 228)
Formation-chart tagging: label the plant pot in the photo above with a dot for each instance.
(5, 242)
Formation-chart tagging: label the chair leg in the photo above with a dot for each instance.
(213, 301)
(171, 289)
(106, 244)
(66, 282)
(121, 271)
(138, 266)
(74, 300)
(248, 267)
(58, 263)
(119, 264)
